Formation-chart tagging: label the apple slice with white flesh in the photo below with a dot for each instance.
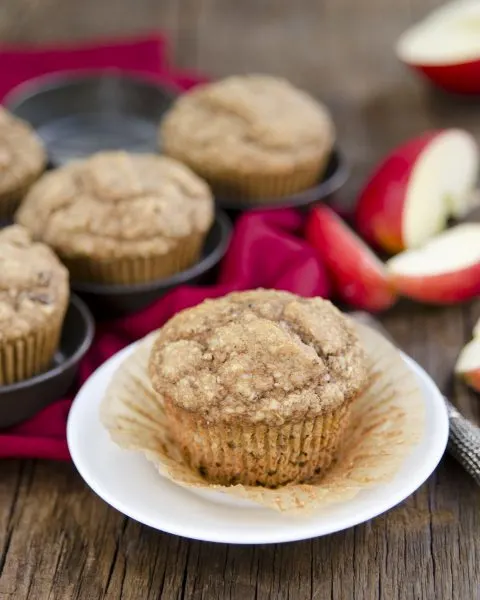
(359, 277)
(445, 270)
(468, 364)
(476, 330)
(419, 185)
(445, 47)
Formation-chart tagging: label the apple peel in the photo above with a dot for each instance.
(445, 47)
(359, 277)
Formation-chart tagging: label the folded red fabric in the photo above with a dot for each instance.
(147, 56)
(266, 248)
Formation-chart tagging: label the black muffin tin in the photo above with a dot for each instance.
(79, 114)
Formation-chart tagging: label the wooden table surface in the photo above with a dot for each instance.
(57, 539)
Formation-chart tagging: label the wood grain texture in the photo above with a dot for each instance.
(58, 541)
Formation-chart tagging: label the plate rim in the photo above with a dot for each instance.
(372, 511)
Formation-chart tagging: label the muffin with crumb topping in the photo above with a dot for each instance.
(120, 218)
(252, 137)
(257, 386)
(22, 160)
(34, 294)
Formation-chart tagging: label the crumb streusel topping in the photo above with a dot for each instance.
(264, 356)
(116, 204)
(33, 284)
(247, 122)
(22, 156)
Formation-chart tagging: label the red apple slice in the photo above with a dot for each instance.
(416, 188)
(359, 276)
(468, 364)
(445, 47)
(445, 270)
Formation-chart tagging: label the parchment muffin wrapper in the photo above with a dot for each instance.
(134, 270)
(24, 357)
(257, 454)
(386, 422)
(261, 188)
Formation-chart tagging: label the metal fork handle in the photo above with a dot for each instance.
(464, 441)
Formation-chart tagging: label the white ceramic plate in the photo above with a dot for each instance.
(129, 483)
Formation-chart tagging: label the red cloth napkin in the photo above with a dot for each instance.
(146, 56)
(266, 248)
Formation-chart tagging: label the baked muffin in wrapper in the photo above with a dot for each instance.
(386, 421)
(254, 138)
(22, 160)
(34, 295)
(119, 218)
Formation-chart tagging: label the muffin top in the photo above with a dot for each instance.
(247, 123)
(33, 284)
(261, 356)
(22, 157)
(115, 204)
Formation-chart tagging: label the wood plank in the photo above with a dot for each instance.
(51, 21)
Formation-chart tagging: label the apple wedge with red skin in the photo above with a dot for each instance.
(443, 271)
(468, 364)
(359, 276)
(461, 78)
(416, 188)
(445, 47)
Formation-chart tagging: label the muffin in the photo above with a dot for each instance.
(252, 138)
(120, 218)
(34, 295)
(22, 160)
(257, 386)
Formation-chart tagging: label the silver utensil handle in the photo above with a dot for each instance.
(464, 442)
(464, 436)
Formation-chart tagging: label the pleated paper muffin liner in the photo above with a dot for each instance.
(133, 270)
(257, 454)
(387, 422)
(27, 356)
(253, 189)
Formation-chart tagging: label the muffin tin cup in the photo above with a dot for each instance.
(77, 114)
(318, 188)
(57, 355)
(256, 454)
(109, 301)
(25, 357)
(136, 270)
